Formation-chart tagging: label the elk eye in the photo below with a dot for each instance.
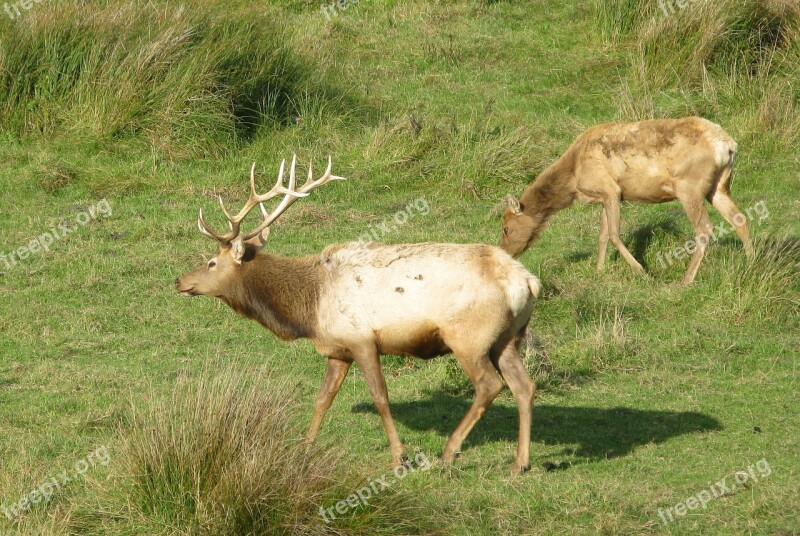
(505, 231)
(212, 263)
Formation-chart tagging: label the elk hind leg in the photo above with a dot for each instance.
(694, 206)
(511, 367)
(487, 386)
(601, 254)
(721, 199)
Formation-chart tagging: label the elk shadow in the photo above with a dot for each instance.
(577, 256)
(600, 433)
(639, 240)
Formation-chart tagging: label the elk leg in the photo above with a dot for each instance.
(335, 373)
(724, 204)
(611, 205)
(694, 206)
(510, 366)
(369, 363)
(601, 255)
(487, 387)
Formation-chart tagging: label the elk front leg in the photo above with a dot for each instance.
(369, 363)
(611, 206)
(335, 373)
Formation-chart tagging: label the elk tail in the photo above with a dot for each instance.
(535, 285)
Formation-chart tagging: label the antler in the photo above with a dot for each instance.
(290, 196)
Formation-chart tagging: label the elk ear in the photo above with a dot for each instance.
(259, 241)
(513, 204)
(237, 250)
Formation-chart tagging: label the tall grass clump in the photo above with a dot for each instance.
(736, 61)
(618, 18)
(727, 37)
(766, 286)
(226, 456)
(474, 157)
(188, 79)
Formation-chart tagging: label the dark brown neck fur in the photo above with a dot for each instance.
(280, 293)
(554, 189)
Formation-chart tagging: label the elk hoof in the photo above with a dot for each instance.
(449, 457)
(518, 469)
(397, 461)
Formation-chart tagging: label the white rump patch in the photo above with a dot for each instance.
(722, 153)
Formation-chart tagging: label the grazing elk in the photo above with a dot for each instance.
(359, 301)
(688, 159)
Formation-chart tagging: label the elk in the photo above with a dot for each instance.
(688, 159)
(359, 301)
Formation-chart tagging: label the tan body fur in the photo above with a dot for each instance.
(688, 159)
(357, 302)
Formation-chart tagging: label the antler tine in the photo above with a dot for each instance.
(326, 177)
(206, 230)
(253, 192)
(224, 210)
(292, 174)
(279, 182)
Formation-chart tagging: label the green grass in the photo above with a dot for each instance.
(648, 391)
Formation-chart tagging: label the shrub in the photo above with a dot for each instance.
(224, 456)
(186, 79)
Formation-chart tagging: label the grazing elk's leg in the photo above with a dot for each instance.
(601, 255)
(510, 366)
(487, 386)
(335, 374)
(369, 363)
(695, 208)
(724, 204)
(611, 205)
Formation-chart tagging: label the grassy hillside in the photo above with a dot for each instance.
(120, 118)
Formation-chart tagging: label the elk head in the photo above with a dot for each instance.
(236, 248)
(517, 228)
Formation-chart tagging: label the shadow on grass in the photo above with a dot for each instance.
(637, 242)
(600, 433)
(641, 238)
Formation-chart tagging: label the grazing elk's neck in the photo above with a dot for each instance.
(554, 189)
(281, 293)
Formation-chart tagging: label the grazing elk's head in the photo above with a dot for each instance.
(517, 228)
(236, 248)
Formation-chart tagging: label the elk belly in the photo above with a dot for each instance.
(419, 339)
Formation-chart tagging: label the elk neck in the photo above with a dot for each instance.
(280, 293)
(554, 189)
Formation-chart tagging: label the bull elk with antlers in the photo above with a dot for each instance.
(688, 159)
(358, 301)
